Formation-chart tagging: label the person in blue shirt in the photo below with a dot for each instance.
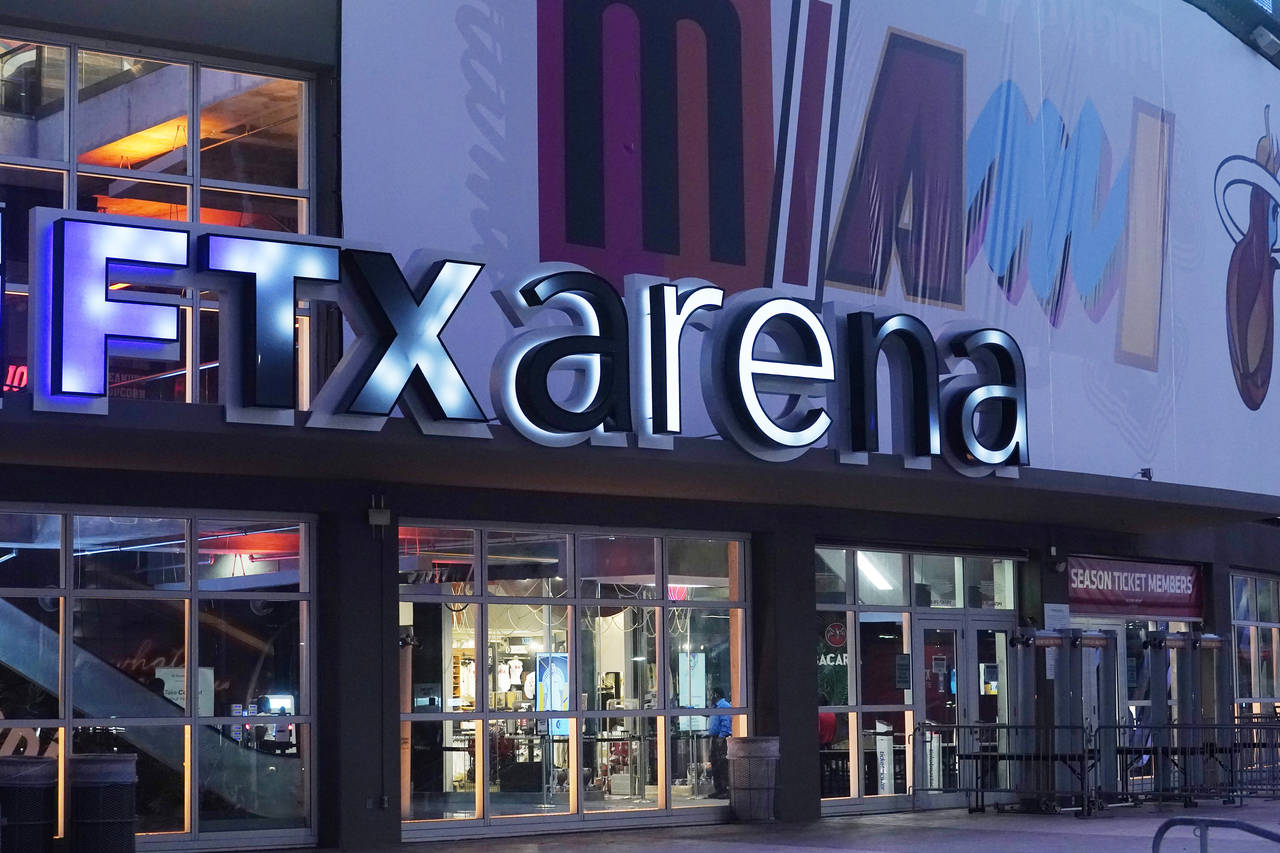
(719, 727)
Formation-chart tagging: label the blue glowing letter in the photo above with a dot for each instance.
(267, 319)
(86, 317)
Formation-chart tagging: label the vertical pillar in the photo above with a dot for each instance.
(785, 669)
(357, 738)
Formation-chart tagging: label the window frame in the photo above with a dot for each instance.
(67, 593)
(485, 821)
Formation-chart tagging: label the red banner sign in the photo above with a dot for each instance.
(1134, 589)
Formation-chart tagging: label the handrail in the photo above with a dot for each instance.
(1202, 825)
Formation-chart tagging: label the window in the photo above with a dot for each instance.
(179, 639)
(162, 139)
(545, 673)
(1255, 632)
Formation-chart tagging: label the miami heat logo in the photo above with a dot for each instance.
(1248, 197)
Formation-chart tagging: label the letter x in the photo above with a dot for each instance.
(409, 358)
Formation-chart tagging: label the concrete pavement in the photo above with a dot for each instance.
(1118, 829)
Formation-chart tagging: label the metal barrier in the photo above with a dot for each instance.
(1202, 825)
(1173, 763)
(1037, 768)
(1075, 768)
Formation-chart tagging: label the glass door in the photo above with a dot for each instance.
(942, 709)
(962, 676)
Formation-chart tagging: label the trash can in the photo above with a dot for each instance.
(753, 777)
(28, 803)
(102, 801)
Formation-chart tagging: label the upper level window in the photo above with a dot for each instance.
(158, 138)
(163, 139)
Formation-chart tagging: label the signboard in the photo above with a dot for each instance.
(626, 350)
(1091, 195)
(553, 688)
(1126, 588)
(902, 672)
(1057, 617)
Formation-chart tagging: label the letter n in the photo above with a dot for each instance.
(906, 191)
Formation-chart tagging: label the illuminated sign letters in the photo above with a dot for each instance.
(409, 360)
(270, 270)
(87, 318)
(774, 346)
(670, 308)
(776, 380)
(609, 406)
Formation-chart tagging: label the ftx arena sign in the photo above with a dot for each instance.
(778, 375)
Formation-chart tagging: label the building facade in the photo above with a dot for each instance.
(447, 419)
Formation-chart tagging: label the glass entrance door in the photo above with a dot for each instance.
(941, 710)
(962, 673)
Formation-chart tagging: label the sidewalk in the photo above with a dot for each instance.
(1119, 829)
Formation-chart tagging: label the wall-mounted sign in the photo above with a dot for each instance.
(1134, 589)
(777, 375)
(1057, 617)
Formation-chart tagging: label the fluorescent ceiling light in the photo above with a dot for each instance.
(873, 574)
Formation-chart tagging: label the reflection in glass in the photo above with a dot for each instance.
(527, 564)
(833, 657)
(529, 767)
(128, 197)
(251, 210)
(253, 776)
(438, 657)
(702, 655)
(618, 660)
(882, 739)
(161, 768)
(528, 657)
(20, 191)
(1242, 598)
(884, 659)
(249, 555)
(704, 569)
(831, 573)
(121, 552)
(32, 104)
(249, 128)
(617, 566)
(29, 550)
(1265, 687)
(132, 113)
(438, 560)
(249, 656)
(880, 578)
(441, 768)
(620, 764)
(130, 657)
(937, 580)
(1265, 591)
(1244, 662)
(988, 583)
(30, 658)
(39, 742)
(698, 762)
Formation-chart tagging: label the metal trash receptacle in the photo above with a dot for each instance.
(103, 805)
(28, 803)
(753, 777)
